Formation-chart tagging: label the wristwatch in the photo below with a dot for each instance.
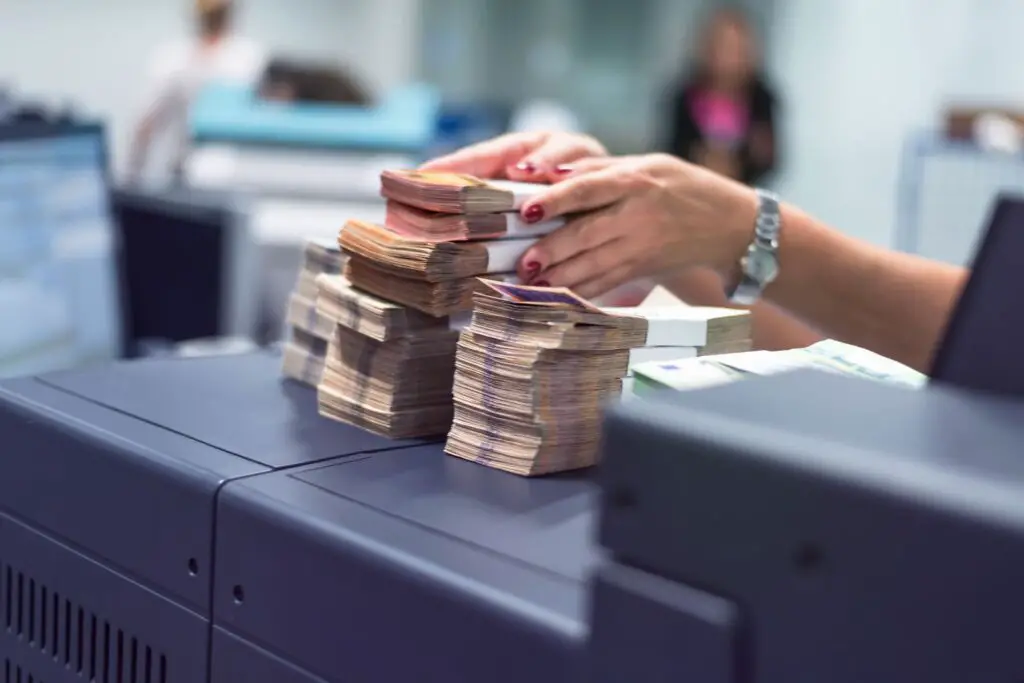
(760, 265)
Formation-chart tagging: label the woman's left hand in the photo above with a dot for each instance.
(632, 217)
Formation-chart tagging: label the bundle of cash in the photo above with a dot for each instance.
(433, 298)
(308, 331)
(302, 316)
(371, 316)
(454, 192)
(679, 332)
(303, 357)
(388, 369)
(429, 261)
(533, 372)
(432, 226)
(322, 256)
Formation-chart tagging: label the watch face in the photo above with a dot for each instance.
(763, 268)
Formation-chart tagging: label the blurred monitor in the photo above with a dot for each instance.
(188, 263)
(59, 294)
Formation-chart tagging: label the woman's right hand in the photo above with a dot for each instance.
(634, 217)
(527, 157)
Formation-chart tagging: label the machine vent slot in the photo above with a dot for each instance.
(15, 674)
(90, 646)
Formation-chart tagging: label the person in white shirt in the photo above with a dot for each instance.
(180, 72)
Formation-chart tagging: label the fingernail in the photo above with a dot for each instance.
(532, 268)
(542, 283)
(562, 170)
(533, 213)
(526, 167)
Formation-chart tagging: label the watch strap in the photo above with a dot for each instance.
(759, 265)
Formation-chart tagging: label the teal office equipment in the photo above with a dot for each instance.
(405, 120)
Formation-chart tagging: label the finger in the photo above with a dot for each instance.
(582, 233)
(558, 150)
(606, 282)
(564, 171)
(490, 159)
(585, 192)
(591, 269)
(588, 165)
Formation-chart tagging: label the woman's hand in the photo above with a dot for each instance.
(634, 217)
(528, 157)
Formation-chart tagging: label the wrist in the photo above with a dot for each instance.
(736, 232)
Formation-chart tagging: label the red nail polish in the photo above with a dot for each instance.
(532, 268)
(526, 167)
(542, 283)
(533, 213)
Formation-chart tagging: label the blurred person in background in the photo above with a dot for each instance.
(722, 114)
(179, 73)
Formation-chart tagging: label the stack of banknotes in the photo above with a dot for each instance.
(442, 231)
(679, 332)
(308, 331)
(534, 370)
(388, 367)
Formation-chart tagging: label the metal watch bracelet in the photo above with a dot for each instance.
(760, 265)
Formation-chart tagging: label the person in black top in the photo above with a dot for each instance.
(723, 114)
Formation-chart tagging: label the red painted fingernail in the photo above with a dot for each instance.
(532, 268)
(542, 283)
(533, 213)
(563, 169)
(526, 167)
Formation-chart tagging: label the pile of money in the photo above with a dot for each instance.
(388, 368)
(533, 372)
(442, 231)
(309, 332)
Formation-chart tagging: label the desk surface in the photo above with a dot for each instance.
(479, 574)
(238, 403)
(328, 529)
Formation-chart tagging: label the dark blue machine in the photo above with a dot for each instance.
(194, 520)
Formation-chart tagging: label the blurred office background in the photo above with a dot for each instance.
(866, 88)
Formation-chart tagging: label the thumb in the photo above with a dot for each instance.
(488, 159)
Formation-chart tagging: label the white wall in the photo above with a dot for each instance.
(859, 75)
(94, 52)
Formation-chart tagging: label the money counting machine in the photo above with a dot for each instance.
(195, 520)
